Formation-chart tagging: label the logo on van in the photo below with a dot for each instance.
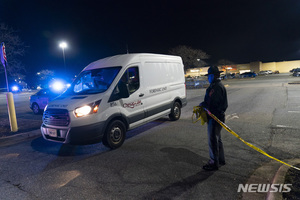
(158, 90)
(132, 104)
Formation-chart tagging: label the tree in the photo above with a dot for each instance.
(191, 57)
(225, 62)
(15, 49)
(44, 77)
(45, 74)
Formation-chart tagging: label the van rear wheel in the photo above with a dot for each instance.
(175, 112)
(114, 135)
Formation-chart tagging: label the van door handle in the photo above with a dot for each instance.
(141, 95)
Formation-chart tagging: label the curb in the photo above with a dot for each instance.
(262, 175)
(279, 178)
(269, 173)
(4, 141)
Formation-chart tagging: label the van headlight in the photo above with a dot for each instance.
(82, 111)
(87, 109)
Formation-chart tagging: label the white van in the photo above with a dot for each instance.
(116, 94)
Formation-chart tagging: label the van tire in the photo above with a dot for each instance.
(114, 135)
(175, 112)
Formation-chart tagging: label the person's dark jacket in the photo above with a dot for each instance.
(216, 99)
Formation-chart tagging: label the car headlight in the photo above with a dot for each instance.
(87, 109)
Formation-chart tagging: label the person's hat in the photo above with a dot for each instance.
(213, 70)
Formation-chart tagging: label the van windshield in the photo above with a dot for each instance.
(94, 81)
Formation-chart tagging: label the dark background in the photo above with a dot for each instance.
(240, 31)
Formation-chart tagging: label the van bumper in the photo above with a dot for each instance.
(81, 135)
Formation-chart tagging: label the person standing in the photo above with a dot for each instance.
(215, 101)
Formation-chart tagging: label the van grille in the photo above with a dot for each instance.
(56, 117)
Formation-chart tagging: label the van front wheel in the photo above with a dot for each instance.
(114, 135)
(175, 112)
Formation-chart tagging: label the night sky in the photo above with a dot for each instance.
(241, 31)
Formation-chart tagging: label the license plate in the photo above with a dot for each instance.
(52, 132)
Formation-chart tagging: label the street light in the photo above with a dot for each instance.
(63, 45)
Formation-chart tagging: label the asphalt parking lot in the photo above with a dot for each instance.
(163, 159)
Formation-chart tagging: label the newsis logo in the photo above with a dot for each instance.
(264, 188)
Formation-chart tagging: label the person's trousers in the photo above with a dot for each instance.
(216, 150)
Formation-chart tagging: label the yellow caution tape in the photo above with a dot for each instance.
(200, 114)
(247, 143)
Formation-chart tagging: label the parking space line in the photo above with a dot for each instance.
(283, 126)
(232, 116)
(294, 111)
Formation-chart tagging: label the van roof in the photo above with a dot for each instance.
(125, 59)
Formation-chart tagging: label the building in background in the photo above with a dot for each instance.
(282, 67)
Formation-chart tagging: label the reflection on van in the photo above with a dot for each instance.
(113, 95)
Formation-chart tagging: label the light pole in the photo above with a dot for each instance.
(63, 45)
(198, 59)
